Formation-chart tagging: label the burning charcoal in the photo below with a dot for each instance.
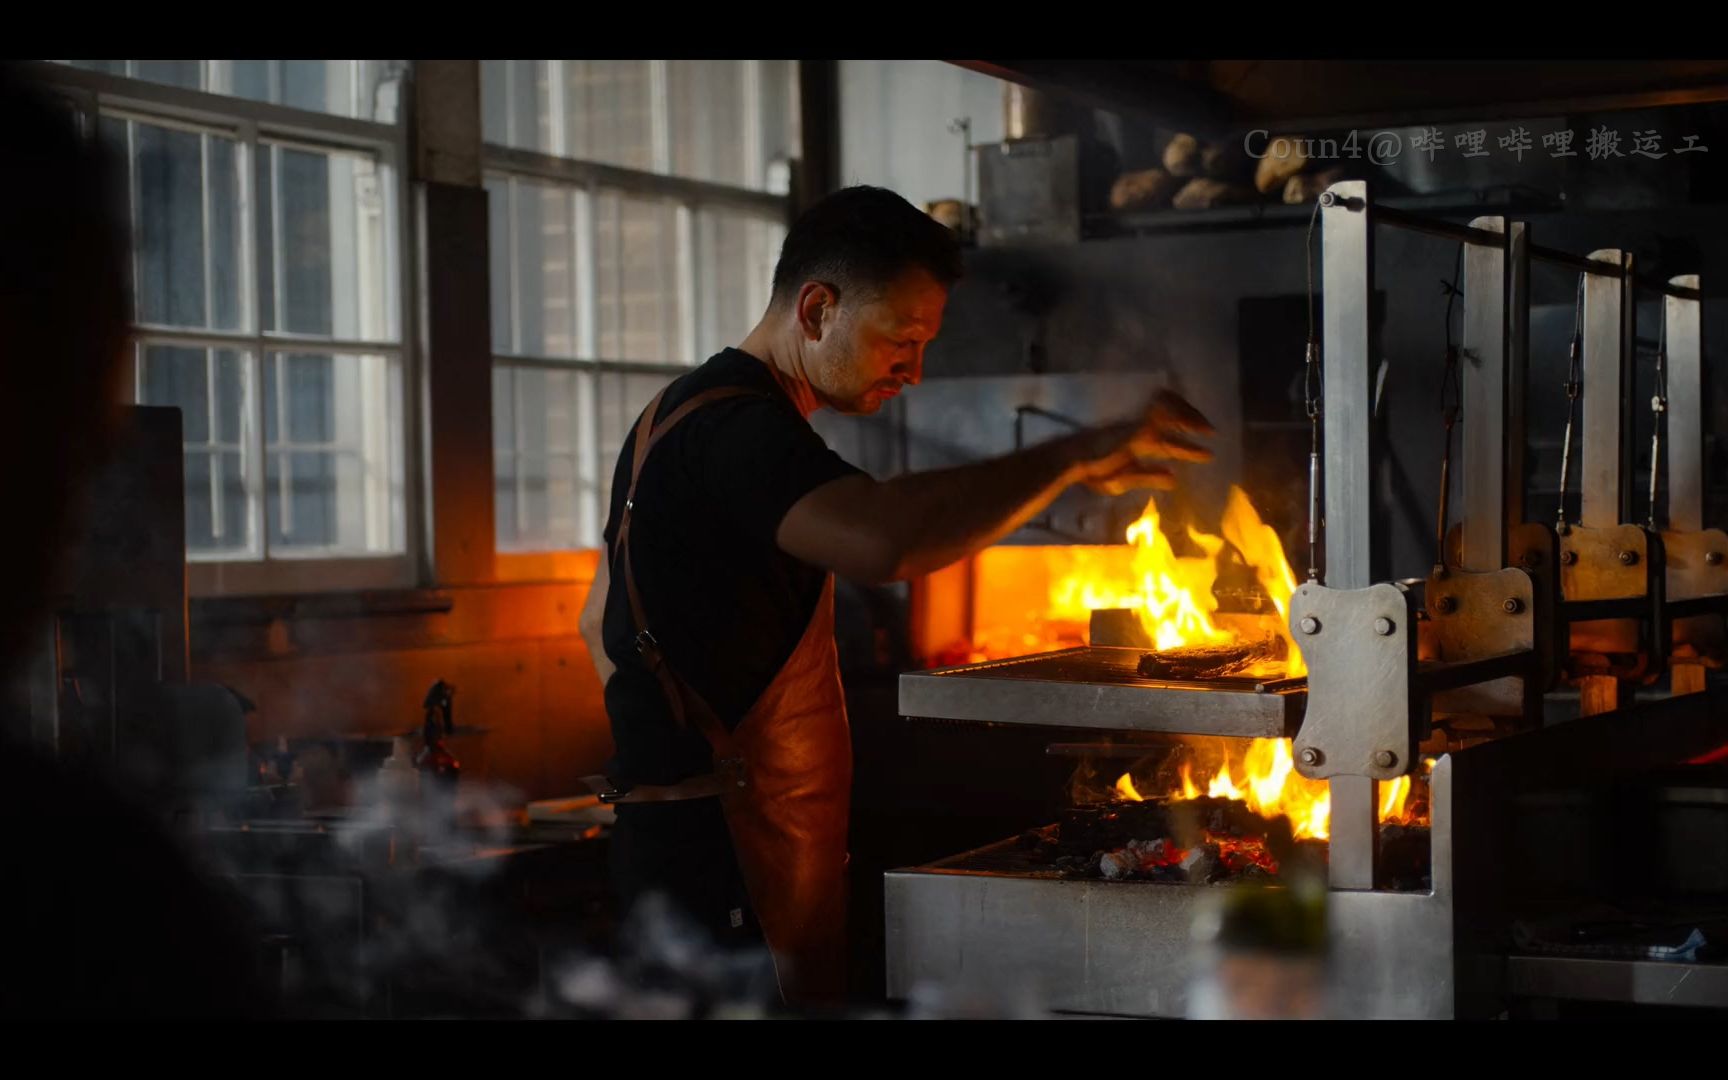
(1200, 862)
(1240, 854)
(1193, 820)
(1155, 854)
(1071, 866)
(1280, 838)
(1116, 865)
(1085, 829)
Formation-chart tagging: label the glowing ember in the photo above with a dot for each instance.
(1270, 786)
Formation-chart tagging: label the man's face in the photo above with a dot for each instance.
(871, 346)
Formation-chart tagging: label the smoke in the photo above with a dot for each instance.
(398, 895)
(399, 908)
(664, 967)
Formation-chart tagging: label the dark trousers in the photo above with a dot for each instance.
(683, 851)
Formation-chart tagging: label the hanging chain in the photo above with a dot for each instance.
(1313, 392)
(1574, 384)
(1658, 410)
(1451, 404)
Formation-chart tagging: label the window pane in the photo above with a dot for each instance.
(640, 296)
(735, 274)
(360, 89)
(534, 510)
(622, 399)
(503, 409)
(711, 117)
(308, 84)
(545, 462)
(608, 112)
(498, 213)
(727, 121)
(109, 67)
(327, 267)
(504, 453)
(178, 378)
(187, 74)
(333, 475)
(186, 205)
(495, 101)
(217, 520)
(542, 246)
(209, 387)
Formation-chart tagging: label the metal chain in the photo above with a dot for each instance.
(1658, 409)
(1313, 392)
(1451, 404)
(1574, 383)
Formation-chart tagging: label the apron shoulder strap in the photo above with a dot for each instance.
(684, 702)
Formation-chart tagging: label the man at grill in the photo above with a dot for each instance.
(711, 616)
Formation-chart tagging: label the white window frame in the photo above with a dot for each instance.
(589, 179)
(254, 124)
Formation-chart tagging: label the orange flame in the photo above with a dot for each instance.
(1393, 793)
(1271, 787)
(1173, 594)
(1260, 549)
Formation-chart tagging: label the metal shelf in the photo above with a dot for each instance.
(1635, 982)
(1098, 688)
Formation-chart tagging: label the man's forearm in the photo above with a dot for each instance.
(944, 515)
(912, 525)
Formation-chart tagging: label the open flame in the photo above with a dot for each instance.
(1393, 795)
(1270, 785)
(1173, 594)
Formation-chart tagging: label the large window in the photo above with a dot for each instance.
(359, 89)
(637, 209)
(269, 305)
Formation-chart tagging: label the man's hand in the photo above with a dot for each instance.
(1123, 456)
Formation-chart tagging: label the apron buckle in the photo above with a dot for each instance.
(731, 770)
(647, 647)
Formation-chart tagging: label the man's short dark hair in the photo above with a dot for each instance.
(864, 238)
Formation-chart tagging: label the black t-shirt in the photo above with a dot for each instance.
(725, 603)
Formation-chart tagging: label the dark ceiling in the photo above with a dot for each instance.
(1212, 97)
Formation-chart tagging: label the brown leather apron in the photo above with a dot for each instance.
(783, 775)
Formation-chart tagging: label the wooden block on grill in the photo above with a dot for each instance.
(1119, 627)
